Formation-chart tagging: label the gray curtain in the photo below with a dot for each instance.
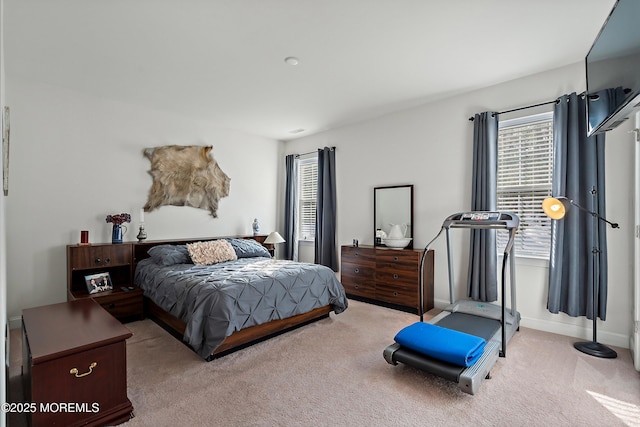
(578, 170)
(325, 245)
(482, 283)
(290, 209)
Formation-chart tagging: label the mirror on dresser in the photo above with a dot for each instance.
(392, 205)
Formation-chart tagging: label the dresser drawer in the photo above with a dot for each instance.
(392, 260)
(95, 379)
(358, 255)
(398, 294)
(85, 257)
(358, 279)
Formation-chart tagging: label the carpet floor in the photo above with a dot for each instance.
(332, 373)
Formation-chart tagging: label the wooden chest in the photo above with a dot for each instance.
(74, 365)
(386, 276)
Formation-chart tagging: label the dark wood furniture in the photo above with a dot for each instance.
(116, 259)
(388, 277)
(239, 339)
(74, 365)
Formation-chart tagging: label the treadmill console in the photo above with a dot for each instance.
(480, 216)
(482, 219)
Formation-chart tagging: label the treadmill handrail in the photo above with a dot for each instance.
(507, 221)
(424, 255)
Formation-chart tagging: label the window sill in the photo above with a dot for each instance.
(529, 260)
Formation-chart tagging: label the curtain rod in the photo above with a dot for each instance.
(312, 152)
(522, 108)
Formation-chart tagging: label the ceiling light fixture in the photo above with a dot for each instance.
(297, 130)
(291, 60)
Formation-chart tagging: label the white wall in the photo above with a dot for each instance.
(431, 147)
(75, 159)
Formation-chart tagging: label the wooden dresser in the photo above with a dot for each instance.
(387, 277)
(75, 365)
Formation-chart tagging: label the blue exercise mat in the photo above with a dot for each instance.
(441, 343)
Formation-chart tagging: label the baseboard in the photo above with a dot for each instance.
(634, 345)
(604, 337)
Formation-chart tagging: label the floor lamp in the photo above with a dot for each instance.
(556, 208)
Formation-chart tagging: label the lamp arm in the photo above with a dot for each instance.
(612, 224)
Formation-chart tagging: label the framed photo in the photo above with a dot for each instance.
(99, 282)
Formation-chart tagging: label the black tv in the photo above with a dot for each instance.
(613, 69)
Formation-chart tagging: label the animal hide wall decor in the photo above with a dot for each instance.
(185, 176)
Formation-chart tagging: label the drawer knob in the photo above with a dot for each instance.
(74, 371)
(98, 261)
(357, 270)
(107, 260)
(395, 294)
(111, 305)
(395, 275)
(356, 286)
(395, 258)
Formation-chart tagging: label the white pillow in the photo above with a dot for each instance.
(211, 252)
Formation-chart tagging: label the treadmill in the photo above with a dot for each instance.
(494, 323)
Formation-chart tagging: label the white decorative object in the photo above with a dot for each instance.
(256, 226)
(397, 243)
(397, 231)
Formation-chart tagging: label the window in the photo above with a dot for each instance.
(307, 192)
(525, 165)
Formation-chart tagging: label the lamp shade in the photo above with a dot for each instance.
(556, 207)
(274, 237)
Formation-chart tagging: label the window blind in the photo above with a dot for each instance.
(308, 190)
(525, 166)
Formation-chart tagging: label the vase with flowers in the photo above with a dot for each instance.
(118, 220)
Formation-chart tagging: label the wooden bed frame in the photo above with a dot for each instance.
(239, 339)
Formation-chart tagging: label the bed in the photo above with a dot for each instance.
(222, 306)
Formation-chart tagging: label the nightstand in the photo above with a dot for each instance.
(117, 260)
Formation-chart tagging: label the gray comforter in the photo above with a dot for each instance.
(215, 301)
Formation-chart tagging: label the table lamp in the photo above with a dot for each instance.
(273, 238)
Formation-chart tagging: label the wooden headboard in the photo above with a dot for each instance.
(140, 249)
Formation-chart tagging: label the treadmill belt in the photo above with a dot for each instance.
(473, 325)
(441, 368)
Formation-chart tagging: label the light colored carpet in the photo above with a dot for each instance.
(332, 373)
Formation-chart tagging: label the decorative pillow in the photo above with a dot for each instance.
(169, 254)
(211, 252)
(247, 248)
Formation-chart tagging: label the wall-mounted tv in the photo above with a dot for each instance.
(613, 69)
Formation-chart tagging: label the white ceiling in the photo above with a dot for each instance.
(223, 60)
